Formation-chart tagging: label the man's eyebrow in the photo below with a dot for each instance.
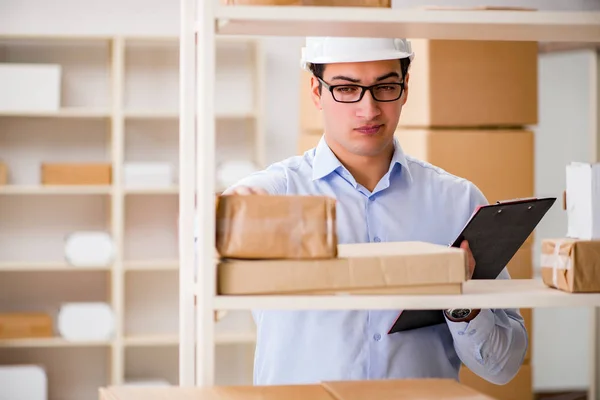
(354, 80)
(389, 75)
(345, 78)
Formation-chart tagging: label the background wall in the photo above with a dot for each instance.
(564, 128)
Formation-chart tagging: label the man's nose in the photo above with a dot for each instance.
(368, 107)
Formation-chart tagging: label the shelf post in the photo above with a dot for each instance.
(206, 189)
(187, 193)
(117, 214)
(594, 389)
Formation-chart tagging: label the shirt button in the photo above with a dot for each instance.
(377, 337)
(472, 332)
(376, 239)
(461, 333)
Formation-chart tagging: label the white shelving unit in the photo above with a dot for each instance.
(201, 23)
(119, 103)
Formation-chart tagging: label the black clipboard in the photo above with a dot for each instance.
(495, 233)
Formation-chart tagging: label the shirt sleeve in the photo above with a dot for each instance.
(494, 343)
(273, 180)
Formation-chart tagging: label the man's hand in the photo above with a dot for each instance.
(247, 190)
(465, 246)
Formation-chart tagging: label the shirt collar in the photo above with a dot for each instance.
(325, 162)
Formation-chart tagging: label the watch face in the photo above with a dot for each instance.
(460, 313)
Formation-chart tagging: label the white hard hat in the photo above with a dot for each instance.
(324, 50)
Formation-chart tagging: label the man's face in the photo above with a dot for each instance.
(366, 127)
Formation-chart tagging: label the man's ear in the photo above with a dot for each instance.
(405, 95)
(314, 92)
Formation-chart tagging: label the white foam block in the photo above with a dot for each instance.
(89, 249)
(151, 174)
(29, 87)
(23, 382)
(583, 200)
(86, 321)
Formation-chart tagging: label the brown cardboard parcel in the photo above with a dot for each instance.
(276, 227)
(571, 265)
(423, 389)
(480, 156)
(397, 267)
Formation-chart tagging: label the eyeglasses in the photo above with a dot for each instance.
(351, 93)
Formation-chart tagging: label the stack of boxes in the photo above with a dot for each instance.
(469, 107)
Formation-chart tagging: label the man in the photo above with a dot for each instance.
(360, 85)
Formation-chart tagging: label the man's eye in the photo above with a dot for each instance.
(346, 89)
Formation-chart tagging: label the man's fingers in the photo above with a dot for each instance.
(465, 246)
(258, 190)
(246, 190)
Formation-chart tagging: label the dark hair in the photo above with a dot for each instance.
(318, 69)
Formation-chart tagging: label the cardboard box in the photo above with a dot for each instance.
(402, 267)
(76, 173)
(455, 83)
(25, 325)
(521, 265)
(423, 389)
(3, 174)
(571, 265)
(519, 388)
(499, 162)
(527, 314)
(276, 227)
(308, 140)
(583, 200)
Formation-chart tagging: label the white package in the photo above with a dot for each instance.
(583, 200)
(147, 174)
(89, 249)
(86, 321)
(29, 87)
(23, 382)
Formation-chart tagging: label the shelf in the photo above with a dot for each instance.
(46, 190)
(152, 191)
(162, 114)
(82, 113)
(45, 266)
(516, 293)
(51, 342)
(409, 23)
(221, 338)
(158, 265)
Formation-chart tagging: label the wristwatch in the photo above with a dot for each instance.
(460, 314)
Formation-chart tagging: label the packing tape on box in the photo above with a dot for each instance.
(556, 261)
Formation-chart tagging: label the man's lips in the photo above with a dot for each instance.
(369, 129)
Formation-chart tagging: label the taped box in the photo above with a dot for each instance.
(571, 265)
(362, 268)
(392, 389)
(20, 325)
(276, 227)
(76, 173)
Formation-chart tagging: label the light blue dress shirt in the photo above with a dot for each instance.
(413, 201)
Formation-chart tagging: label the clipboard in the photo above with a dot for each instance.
(495, 233)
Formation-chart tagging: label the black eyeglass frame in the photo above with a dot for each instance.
(331, 88)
